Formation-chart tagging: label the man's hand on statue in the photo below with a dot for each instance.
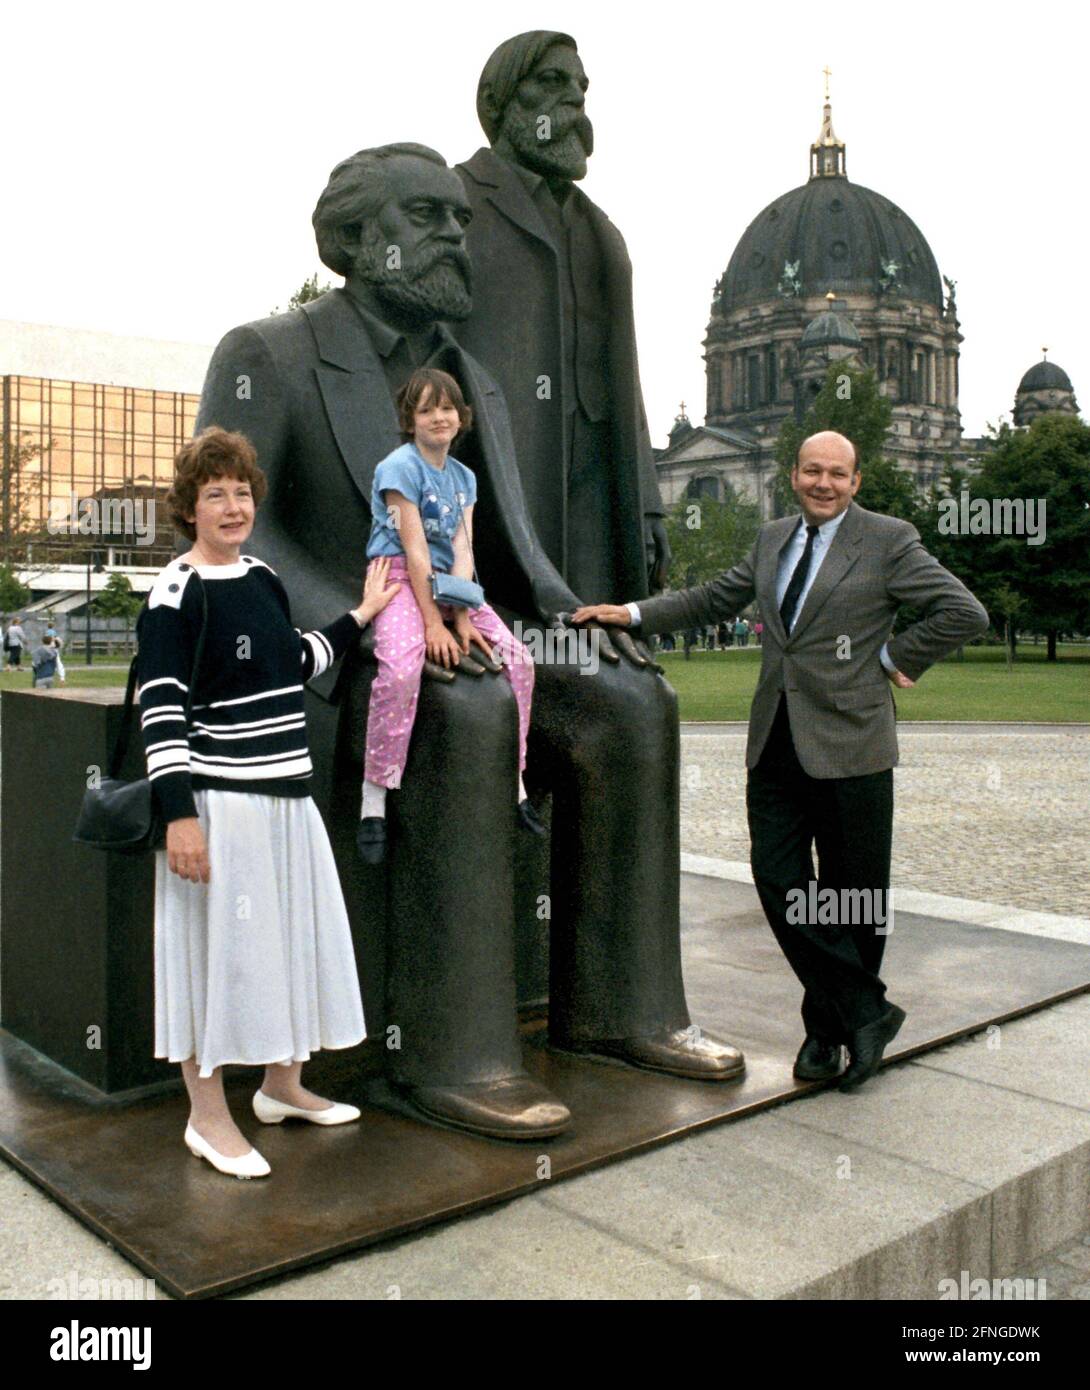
(900, 680)
(187, 851)
(614, 613)
(376, 595)
(612, 644)
(441, 644)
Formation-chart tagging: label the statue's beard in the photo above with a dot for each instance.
(565, 152)
(434, 285)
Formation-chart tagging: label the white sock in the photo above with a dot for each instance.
(522, 790)
(374, 801)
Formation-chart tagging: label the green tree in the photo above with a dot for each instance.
(707, 536)
(117, 600)
(19, 489)
(850, 403)
(1048, 464)
(13, 595)
(310, 289)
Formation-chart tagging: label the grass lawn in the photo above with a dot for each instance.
(720, 685)
(78, 675)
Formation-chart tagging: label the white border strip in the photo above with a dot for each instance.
(969, 911)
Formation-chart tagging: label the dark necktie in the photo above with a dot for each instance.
(798, 580)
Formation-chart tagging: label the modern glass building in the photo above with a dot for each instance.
(90, 424)
(85, 470)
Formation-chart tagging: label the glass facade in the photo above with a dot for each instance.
(85, 471)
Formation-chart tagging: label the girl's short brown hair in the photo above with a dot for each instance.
(425, 385)
(214, 453)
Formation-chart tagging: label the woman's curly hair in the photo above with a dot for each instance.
(214, 453)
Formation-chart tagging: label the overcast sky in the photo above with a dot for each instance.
(161, 161)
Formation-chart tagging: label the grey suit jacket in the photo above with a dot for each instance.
(839, 700)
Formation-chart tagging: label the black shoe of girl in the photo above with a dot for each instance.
(530, 820)
(371, 839)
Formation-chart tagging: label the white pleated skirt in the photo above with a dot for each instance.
(257, 965)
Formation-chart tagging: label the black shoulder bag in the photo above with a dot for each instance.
(125, 816)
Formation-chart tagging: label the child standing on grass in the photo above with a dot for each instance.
(422, 504)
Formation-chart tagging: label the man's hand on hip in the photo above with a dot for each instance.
(899, 679)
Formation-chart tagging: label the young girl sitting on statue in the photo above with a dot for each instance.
(422, 504)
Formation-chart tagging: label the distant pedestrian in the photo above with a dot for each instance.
(14, 641)
(741, 632)
(758, 630)
(709, 636)
(44, 662)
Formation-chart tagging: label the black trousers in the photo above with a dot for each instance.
(850, 820)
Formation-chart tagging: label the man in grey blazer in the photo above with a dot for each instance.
(822, 741)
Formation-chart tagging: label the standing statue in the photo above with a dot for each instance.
(553, 321)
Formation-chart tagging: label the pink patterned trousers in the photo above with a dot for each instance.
(399, 648)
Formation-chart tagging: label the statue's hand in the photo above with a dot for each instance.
(612, 641)
(658, 552)
(471, 663)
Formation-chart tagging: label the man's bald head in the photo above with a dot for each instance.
(828, 443)
(826, 476)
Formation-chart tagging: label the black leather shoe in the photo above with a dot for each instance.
(371, 839)
(866, 1045)
(818, 1059)
(684, 1052)
(530, 820)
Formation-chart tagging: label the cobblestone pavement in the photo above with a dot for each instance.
(1066, 1271)
(986, 811)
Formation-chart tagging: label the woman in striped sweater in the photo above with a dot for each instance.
(254, 961)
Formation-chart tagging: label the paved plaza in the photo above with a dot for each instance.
(996, 812)
(957, 1154)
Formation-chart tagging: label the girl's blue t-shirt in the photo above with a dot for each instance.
(439, 494)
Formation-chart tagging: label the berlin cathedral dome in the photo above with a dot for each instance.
(829, 271)
(829, 235)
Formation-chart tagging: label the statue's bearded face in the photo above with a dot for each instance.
(412, 253)
(544, 123)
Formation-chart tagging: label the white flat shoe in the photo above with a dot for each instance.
(272, 1112)
(248, 1165)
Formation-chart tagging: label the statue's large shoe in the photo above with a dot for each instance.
(685, 1052)
(516, 1107)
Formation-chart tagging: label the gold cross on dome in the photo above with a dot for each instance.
(828, 73)
(683, 407)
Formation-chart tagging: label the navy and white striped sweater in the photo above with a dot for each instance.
(247, 729)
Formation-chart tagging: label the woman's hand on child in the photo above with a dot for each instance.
(187, 851)
(441, 644)
(375, 593)
(467, 633)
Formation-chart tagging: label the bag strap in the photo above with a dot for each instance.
(461, 522)
(121, 743)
